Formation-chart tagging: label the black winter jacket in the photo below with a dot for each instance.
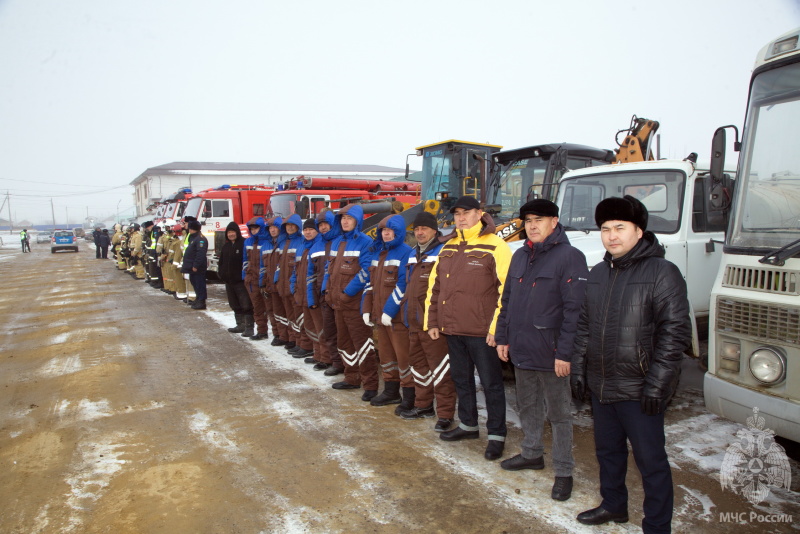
(634, 326)
(195, 254)
(231, 256)
(541, 302)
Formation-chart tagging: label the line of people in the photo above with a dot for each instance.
(165, 257)
(456, 304)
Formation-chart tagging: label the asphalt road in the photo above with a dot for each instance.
(125, 411)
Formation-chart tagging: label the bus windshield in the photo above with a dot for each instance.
(767, 213)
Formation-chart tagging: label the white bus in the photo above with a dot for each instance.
(754, 339)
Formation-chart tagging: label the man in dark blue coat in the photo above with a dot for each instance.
(632, 333)
(195, 263)
(541, 303)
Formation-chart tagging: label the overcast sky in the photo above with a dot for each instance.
(93, 92)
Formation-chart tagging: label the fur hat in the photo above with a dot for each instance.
(626, 208)
(541, 207)
(194, 225)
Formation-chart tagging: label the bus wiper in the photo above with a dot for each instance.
(779, 257)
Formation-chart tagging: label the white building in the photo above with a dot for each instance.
(157, 182)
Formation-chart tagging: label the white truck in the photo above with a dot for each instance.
(754, 343)
(674, 193)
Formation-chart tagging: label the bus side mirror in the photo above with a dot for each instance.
(719, 186)
(718, 155)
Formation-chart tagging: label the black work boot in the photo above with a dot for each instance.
(409, 396)
(199, 305)
(390, 395)
(248, 322)
(239, 328)
(562, 488)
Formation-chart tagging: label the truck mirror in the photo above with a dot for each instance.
(718, 155)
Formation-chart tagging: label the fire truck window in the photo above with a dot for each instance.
(258, 209)
(206, 209)
(221, 208)
(317, 205)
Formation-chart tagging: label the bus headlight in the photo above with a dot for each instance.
(767, 366)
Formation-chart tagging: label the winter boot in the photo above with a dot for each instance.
(409, 396)
(248, 322)
(239, 328)
(390, 395)
(199, 305)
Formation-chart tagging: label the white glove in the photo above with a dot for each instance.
(367, 322)
(386, 320)
(186, 276)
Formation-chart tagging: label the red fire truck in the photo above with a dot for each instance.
(216, 208)
(308, 196)
(172, 206)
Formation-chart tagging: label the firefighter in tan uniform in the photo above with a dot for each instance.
(115, 239)
(163, 249)
(176, 256)
(122, 249)
(136, 246)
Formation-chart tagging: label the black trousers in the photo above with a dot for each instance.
(239, 298)
(614, 425)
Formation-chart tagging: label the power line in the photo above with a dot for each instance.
(48, 183)
(84, 193)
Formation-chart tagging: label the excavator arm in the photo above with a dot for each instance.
(637, 143)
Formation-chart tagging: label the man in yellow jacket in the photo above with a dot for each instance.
(464, 293)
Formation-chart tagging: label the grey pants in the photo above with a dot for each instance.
(542, 394)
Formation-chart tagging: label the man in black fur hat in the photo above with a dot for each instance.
(632, 333)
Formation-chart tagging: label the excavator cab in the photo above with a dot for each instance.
(451, 169)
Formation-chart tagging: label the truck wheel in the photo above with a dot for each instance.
(52, 251)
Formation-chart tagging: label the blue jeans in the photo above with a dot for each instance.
(542, 394)
(614, 425)
(198, 281)
(468, 353)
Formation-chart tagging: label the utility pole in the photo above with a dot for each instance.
(10, 221)
(53, 211)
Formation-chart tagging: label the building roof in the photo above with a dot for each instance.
(180, 167)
